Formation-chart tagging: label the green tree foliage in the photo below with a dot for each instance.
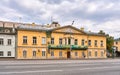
(109, 41)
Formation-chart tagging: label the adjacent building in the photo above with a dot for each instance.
(7, 41)
(117, 44)
(38, 42)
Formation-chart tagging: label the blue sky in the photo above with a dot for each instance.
(93, 15)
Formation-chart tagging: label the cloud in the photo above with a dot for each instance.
(94, 15)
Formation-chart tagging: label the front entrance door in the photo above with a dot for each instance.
(68, 54)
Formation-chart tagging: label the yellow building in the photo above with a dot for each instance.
(36, 42)
(117, 44)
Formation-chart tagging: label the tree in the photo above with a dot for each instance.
(110, 43)
(109, 40)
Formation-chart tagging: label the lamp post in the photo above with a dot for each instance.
(113, 51)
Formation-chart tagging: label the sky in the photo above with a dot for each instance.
(93, 15)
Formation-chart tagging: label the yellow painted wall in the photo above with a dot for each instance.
(29, 47)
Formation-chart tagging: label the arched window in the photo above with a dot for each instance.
(24, 54)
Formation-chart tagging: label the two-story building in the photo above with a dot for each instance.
(37, 42)
(7, 41)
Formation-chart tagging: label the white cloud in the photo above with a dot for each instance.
(94, 15)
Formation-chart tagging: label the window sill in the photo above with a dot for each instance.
(24, 44)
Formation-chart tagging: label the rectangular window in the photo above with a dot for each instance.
(24, 54)
(9, 41)
(102, 53)
(9, 53)
(1, 41)
(83, 54)
(24, 39)
(43, 40)
(43, 53)
(89, 42)
(60, 41)
(76, 42)
(65, 41)
(60, 53)
(95, 42)
(52, 53)
(116, 43)
(69, 41)
(90, 53)
(34, 40)
(76, 53)
(83, 42)
(95, 53)
(52, 40)
(1, 53)
(101, 43)
(34, 53)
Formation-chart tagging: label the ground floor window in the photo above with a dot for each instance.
(43, 53)
(83, 54)
(34, 53)
(95, 53)
(102, 53)
(24, 54)
(1, 53)
(60, 53)
(89, 53)
(76, 53)
(52, 53)
(9, 53)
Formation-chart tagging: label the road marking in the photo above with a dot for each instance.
(39, 71)
(94, 68)
(13, 67)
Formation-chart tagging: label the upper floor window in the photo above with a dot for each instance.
(101, 44)
(1, 41)
(52, 40)
(69, 41)
(89, 42)
(60, 41)
(24, 39)
(65, 41)
(76, 42)
(9, 41)
(43, 40)
(95, 42)
(82, 43)
(34, 40)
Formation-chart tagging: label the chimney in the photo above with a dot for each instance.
(33, 24)
(13, 29)
(82, 29)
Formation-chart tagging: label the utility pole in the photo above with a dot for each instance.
(71, 40)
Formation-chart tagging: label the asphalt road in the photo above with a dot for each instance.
(60, 67)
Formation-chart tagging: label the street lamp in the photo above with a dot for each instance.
(113, 51)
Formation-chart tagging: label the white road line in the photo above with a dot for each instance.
(95, 68)
(39, 71)
(13, 67)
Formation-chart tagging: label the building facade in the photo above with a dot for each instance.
(7, 42)
(117, 44)
(36, 42)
